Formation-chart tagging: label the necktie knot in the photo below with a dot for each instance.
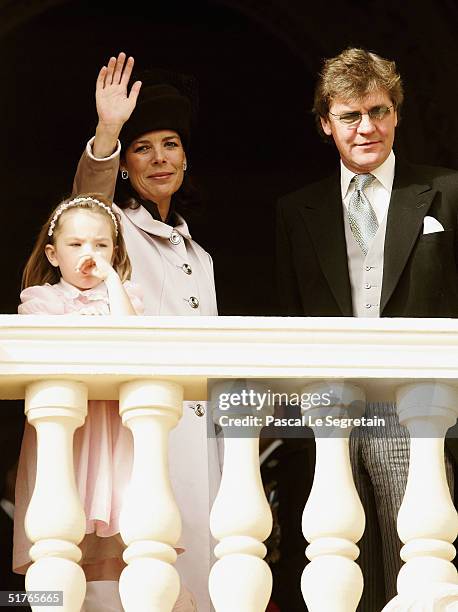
(362, 181)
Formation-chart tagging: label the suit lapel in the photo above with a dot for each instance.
(410, 201)
(325, 223)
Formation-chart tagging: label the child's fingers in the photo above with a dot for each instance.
(85, 263)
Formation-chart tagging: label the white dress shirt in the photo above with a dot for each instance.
(378, 192)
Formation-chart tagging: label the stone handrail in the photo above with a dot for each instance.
(150, 364)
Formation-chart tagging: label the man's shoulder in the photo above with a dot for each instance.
(309, 192)
(435, 175)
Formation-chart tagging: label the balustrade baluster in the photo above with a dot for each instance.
(427, 519)
(333, 519)
(150, 521)
(55, 520)
(241, 520)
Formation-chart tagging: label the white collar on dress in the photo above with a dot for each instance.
(96, 293)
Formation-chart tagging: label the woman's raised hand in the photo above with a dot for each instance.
(114, 104)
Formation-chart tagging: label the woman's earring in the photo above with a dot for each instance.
(185, 165)
(124, 174)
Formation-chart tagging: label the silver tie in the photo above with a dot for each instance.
(361, 215)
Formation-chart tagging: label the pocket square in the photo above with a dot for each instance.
(431, 225)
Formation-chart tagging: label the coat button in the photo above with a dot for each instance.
(199, 410)
(368, 305)
(367, 285)
(367, 268)
(186, 268)
(175, 238)
(193, 302)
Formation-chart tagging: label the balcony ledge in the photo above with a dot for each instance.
(107, 351)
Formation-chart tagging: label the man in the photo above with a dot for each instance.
(378, 238)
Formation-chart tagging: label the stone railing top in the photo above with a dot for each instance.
(106, 351)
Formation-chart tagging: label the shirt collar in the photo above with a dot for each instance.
(384, 174)
(153, 210)
(96, 293)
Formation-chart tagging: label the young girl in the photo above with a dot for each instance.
(80, 266)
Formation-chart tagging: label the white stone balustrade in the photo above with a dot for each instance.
(240, 517)
(103, 354)
(427, 519)
(55, 521)
(333, 519)
(150, 521)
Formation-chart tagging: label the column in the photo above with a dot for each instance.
(427, 519)
(150, 521)
(333, 519)
(55, 520)
(240, 517)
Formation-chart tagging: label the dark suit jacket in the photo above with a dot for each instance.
(420, 272)
(420, 275)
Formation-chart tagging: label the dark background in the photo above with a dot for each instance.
(256, 63)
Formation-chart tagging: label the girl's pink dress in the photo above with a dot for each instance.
(102, 446)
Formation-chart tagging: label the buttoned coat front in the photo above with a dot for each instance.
(167, 264)
(176, 276)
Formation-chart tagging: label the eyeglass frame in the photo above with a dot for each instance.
(358, 121)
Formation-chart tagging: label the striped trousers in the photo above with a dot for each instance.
(380, 463)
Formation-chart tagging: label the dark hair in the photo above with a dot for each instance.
(167, 100)
(352, 75)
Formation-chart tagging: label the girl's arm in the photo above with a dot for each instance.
(96, 265)
(120, 303)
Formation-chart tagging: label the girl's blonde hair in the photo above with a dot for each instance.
(38, 270)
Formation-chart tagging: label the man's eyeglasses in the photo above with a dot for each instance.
(353, 118)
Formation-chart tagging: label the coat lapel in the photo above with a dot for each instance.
(143, 220)
(410, 201)
(325, 223)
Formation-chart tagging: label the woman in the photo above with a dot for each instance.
(154, 126)
(176, 275)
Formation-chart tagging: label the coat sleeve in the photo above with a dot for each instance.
(287, 284)
(96, 175)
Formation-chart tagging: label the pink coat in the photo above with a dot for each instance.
(158, 268)
(161, 267)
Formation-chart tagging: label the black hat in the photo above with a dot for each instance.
(161, 106)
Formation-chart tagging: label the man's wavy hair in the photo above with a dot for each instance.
(352, 75)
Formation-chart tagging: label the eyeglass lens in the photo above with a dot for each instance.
(375, 114)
